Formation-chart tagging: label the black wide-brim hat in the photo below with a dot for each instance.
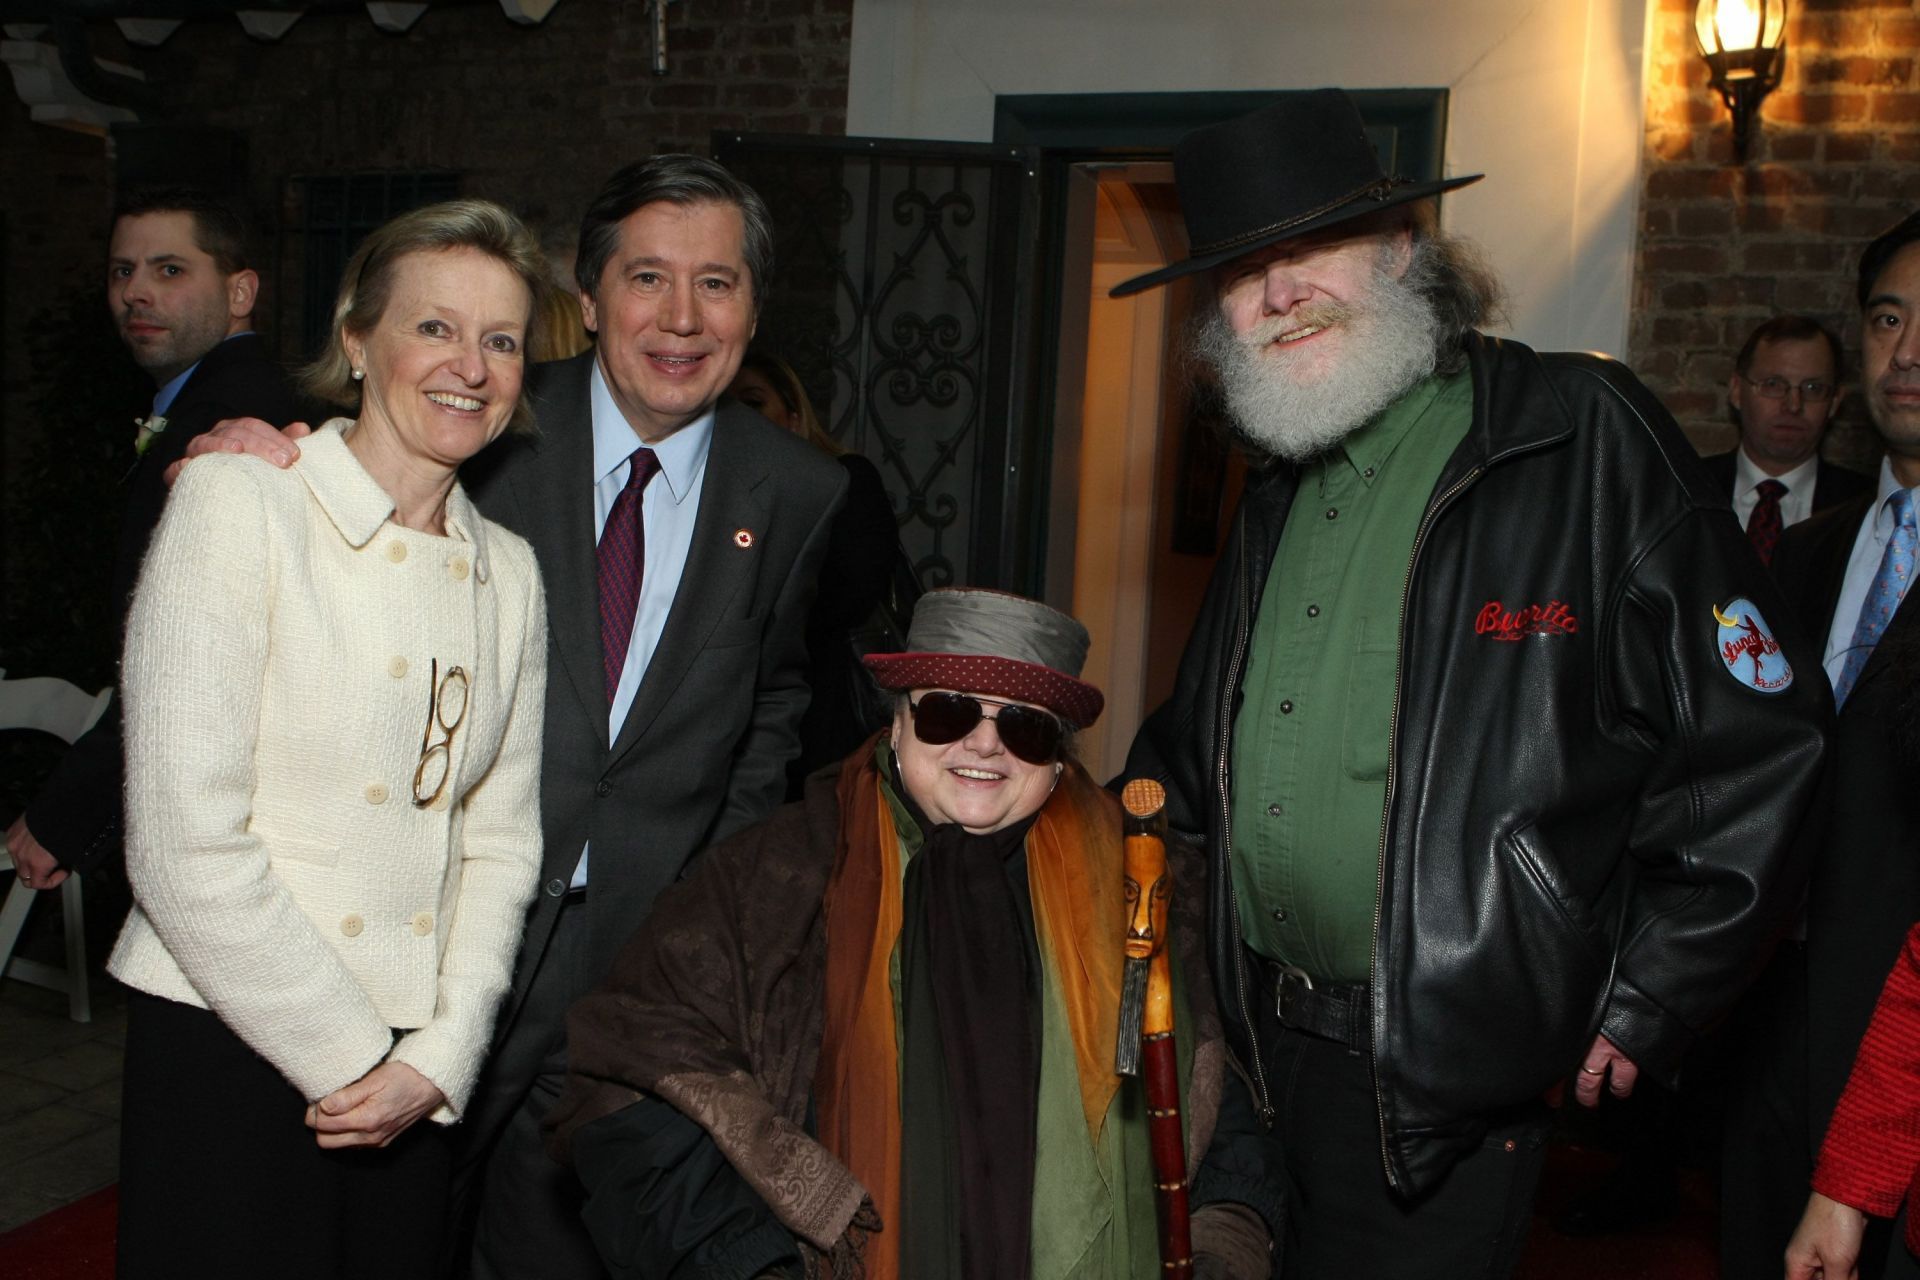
(1294, 166)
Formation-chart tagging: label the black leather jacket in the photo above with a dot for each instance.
(1590, 821)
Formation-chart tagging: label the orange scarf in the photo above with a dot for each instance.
(1075, 866)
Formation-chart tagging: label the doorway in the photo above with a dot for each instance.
(1152, 475)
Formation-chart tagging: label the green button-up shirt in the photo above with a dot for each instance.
(1310, 745)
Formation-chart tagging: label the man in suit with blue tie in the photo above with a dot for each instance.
(1846, 572)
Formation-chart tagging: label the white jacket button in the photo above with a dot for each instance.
(352, 925)
(376, 793)
(397, 667)
(422, 924)
(396, 551)
(457, 568)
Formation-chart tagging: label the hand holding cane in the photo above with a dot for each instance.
(1146, 1015)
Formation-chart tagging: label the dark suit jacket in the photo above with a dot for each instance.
(77, 815)
(1831, 484)
(704, 749)
(1864, 893)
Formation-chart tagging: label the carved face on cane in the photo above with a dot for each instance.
(1147, 892)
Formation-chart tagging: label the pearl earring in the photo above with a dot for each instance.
(358, 374)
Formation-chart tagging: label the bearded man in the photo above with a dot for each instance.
(1496, 753)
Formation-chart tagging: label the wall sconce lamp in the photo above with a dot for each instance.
(1743, 43)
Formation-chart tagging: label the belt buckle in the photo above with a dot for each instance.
(1284, 992)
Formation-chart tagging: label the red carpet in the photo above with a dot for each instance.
(74, 1242)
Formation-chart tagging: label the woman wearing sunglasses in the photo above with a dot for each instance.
(334, 679)
(879, 1028)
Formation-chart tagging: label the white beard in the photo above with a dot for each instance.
(1390, 337)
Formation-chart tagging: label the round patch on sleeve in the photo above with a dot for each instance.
(1748, 649)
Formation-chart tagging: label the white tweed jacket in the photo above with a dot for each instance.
(277, 686)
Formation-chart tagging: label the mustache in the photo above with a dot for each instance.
(1323, 314)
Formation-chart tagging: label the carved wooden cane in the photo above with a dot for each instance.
(1146, 1016)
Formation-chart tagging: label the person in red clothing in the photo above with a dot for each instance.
(1870, 1160)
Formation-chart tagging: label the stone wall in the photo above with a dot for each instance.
(1833, 160)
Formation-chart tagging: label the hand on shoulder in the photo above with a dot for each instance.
(244, 435)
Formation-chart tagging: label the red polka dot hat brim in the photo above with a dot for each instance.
(975, 640)
(1075, 701)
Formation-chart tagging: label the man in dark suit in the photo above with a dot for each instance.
(182, 295)
(1845, 572)
(1784, 390)
(661, 741)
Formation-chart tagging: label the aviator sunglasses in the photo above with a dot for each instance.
(1030, 733)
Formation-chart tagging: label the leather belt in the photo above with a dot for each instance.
(1339, 1011)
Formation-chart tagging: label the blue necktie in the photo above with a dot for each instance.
(1884, 596)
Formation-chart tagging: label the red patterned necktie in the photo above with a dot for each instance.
(1764, 525)
(623, 553)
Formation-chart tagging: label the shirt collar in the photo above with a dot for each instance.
(682, 455)
(163, 398)
(1882, 513)
(1368, 449)
(356, 503)
(1747, 476)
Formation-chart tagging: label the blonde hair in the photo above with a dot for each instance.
(367, 286)
(793, 394)
(561, 331)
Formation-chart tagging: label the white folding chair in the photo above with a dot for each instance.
(51, 706)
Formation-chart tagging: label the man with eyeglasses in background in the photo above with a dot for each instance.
(1845, 574)
(1784, 390)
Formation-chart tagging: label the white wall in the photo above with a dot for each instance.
(1546, 100)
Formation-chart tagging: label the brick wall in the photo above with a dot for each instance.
(535, 117)
(1834, 158)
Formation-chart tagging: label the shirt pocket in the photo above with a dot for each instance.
(1367, 724)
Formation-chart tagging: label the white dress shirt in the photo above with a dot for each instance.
(1796, 504)
(1868, 550)
(668, 507)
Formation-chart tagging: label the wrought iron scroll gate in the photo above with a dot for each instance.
(903, 292)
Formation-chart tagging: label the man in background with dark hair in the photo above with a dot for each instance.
(1846, 571)
(1784, 390)
(182, 296)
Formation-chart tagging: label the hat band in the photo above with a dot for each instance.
(1378, 190)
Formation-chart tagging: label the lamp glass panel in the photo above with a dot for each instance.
(1776, 32)
(1739, 23)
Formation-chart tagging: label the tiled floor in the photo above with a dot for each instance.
(59, 1098)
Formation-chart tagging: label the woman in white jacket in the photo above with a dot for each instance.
(334, 685)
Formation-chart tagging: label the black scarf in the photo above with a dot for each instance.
(970, 1071)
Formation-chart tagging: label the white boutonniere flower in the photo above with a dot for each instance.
(149, 428)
